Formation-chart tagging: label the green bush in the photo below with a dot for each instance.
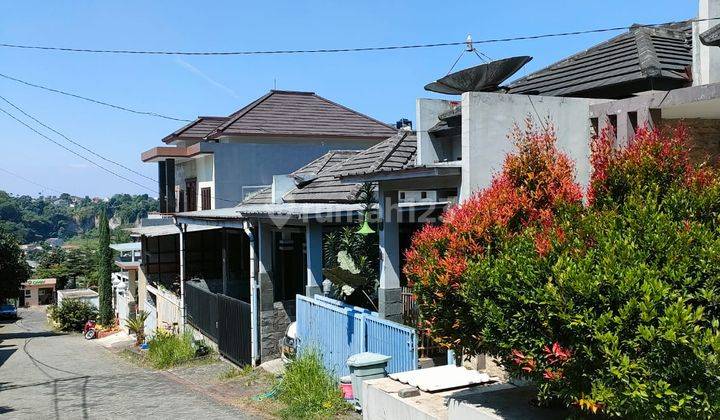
(72, 314)
(166, 350)
(308, 390)
(608, 308)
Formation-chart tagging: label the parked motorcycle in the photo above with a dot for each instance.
(89, 330)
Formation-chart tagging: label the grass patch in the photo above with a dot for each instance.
(166, 350)
(309, 391)
(233, 372)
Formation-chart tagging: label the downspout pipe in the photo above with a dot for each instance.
(182, 227)
(254, 307)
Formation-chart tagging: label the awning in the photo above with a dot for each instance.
(128, 265)
(165, 230)
(126, 247)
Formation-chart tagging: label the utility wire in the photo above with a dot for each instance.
(339, 50)
(44, 187)
(74, 152)
(74, 142)
(95, 101)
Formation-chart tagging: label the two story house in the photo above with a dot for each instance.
(215, 162)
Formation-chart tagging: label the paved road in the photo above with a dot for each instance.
(44, 375)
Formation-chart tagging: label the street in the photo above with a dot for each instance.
(44, 374)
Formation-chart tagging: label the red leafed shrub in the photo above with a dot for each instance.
(609, 307)
(535, 179)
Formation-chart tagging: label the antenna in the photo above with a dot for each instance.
(274, 83)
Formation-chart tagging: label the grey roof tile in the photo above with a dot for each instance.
(641, 59)
(322, 184)
(396, 153)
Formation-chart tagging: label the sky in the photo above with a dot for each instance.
(383, 85)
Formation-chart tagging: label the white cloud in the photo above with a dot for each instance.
(196, 71)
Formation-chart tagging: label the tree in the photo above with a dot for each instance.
(13, 268)
(104, 270)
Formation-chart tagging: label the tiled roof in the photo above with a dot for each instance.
(317, 181)
(711, 37)
(325, 185)
(284, 113)
(396, 153)
(196, 130)
(644, 58)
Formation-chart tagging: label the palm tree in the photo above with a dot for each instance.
(137, 326)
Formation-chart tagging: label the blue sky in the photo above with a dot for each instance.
(381, 84)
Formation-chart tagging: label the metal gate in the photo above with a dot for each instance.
(223, 319)
(202, 310)
(234, 329)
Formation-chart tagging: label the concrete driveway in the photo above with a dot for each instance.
(45, 375)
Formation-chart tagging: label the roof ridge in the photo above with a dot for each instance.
(242, 111)
(647, 56)
(353, 111)
(388, 153)
(293, 92)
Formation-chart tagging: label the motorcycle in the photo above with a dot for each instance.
(89, 330)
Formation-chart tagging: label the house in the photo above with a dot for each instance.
(37, 292)
(125, 281)
(215, 162)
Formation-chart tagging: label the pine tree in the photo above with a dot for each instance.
(104, 271)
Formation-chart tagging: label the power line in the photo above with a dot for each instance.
(74, 152)
(74, 142)
(95, 101)
(338, 50)
(44, 187)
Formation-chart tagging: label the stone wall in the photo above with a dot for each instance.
(273, 324)
(704, 140)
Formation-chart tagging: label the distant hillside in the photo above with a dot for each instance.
(36, 219)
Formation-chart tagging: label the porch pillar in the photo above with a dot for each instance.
(265, 248)
(170, 185)
(313, 243)
(390, 293)
(162, 188)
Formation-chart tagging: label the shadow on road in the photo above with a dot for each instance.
(28, 334)
(5, 354)
(5, 410)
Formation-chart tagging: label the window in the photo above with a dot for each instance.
(205, 198)
(402, 195)
(28, 293)
(423, 195)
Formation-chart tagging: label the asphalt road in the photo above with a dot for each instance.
(45, 375)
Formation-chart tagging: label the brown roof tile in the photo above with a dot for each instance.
(285, 113)
(196, 130)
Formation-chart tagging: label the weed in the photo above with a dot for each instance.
(166, 350)
(308, 390)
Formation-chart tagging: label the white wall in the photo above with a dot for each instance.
(488, 118)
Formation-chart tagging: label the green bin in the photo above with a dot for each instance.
(366, 366)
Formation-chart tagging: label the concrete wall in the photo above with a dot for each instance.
(253, 163)
(488, 118)
(426, 115)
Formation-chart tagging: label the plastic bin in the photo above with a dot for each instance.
(366, 366)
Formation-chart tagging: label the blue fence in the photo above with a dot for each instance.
(337, 331)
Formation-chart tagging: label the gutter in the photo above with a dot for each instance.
(254, 306)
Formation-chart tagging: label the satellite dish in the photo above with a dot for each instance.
(482, 78)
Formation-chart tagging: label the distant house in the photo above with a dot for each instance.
(37, 292)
